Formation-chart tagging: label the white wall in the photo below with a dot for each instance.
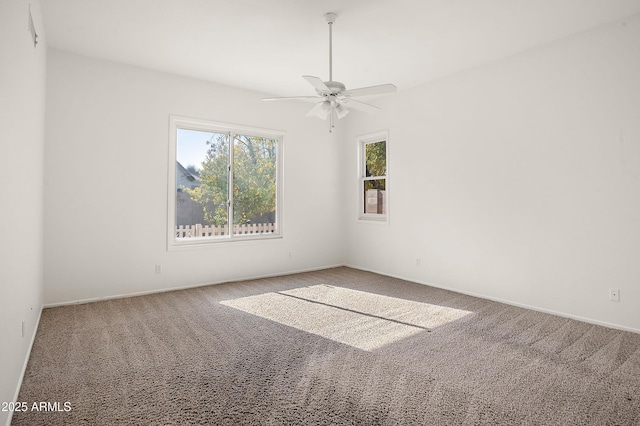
(106, 182)
(518, 180)
(22, 100)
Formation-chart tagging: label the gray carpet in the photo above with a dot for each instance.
(336, 347)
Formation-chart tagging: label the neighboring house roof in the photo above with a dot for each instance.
(184, 178)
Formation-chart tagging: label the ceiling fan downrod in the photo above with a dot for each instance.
(330, 18)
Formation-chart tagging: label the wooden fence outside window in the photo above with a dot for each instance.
(198, 230)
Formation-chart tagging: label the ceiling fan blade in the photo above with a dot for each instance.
(317, 83)
(371, 90)
(359, 105)
(299, 98)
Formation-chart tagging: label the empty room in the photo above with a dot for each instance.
(329, 212)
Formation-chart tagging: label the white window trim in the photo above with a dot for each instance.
(364, 140)
(175, 122)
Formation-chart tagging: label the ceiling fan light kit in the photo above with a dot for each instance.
(333, 96)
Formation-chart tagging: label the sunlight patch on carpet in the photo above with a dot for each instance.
(363, 320)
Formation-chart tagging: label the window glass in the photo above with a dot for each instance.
(254, 184)
(202, 181)
(376, 159)
(374, 196)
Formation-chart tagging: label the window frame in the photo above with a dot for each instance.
(363, 141)
(180, 122)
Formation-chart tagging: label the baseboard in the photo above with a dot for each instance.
(318, 268)
(186, 287)
(24, 365)
(506, 302)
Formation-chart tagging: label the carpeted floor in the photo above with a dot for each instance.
(338, 346)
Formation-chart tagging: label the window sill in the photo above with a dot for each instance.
(193, 243)
(384, 220)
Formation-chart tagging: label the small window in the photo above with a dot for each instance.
(373, 177)
(224, 183)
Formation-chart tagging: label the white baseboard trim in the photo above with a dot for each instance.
(506, 302)
(318, 268)
(164, 290)
(24, 365)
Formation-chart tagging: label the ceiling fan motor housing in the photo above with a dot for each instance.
(335, 87)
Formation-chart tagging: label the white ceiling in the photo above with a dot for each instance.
(267, 45)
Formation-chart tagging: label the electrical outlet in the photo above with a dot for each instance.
(158, 269)
(23, 328)
(418, 261)
(614, 295)
(289, 255)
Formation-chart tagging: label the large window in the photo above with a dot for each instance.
(224, 182)
(373, 176)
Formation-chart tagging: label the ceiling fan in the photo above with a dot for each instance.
(333, 96)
